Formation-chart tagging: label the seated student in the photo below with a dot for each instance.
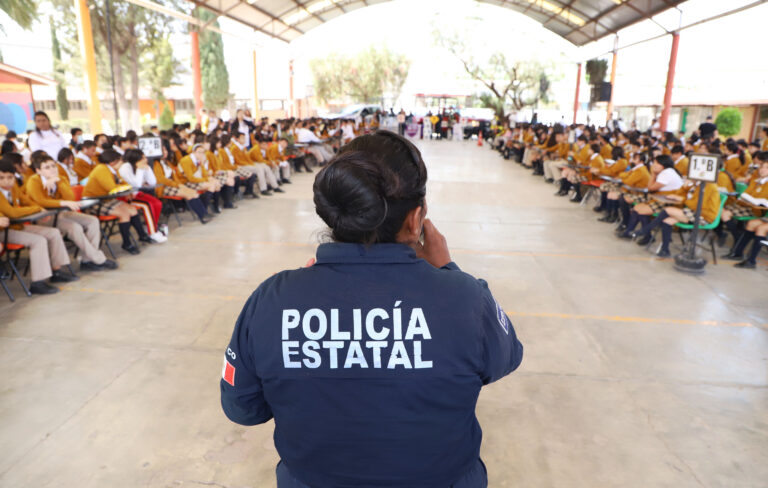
(575, 178)
(614, 166)
(555, 170)
(755, 233)
(688, 196)
(195, 176)
(226, 178)
(136, 172)
(276, 153)
(77, 138)
(65, 162)
(257, 155)
(22, 172)
(169, 183)
(273, 164)
(220, 147)
(47, 253)
(243, 159)
(677, 153)
(305, 134)
(121, 145)
(49, 190)
(637, 176)
(665, 181)
(8, 147)
(734, 160)
(758, 188)
(85, 159)
(103, 179)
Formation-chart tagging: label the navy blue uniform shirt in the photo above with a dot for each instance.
(370, 362)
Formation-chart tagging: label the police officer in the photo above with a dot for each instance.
(371, 360)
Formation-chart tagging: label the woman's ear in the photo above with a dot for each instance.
(411, 229)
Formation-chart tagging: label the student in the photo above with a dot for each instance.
(755, 233)
(103, 179)
(276, 153)
(65, 165)
(618, 203)
(22, 171)
(8, 147)
(136, 172)
(758, 188)
(195, 175)
(677, 153)
(613, 168)
(48, 190)
(85, 159)
(226, 178)
(77, 138)
(47, 253)
(665, 181)
(273, 160)
(169, 183)
(243, 160)
(220, 147)
(669, 216)
(595, 162)
(258, 154)
(100, 140)
(734, 160)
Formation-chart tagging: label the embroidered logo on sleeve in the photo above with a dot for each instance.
(228, 372)
(502, 317)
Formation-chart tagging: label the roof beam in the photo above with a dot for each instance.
(304, 8)
(220, 13)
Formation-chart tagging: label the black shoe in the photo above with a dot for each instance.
(598, 209)
(146, 239)
(267, 193)
(230, 206)
(131, 249)
(216, 209)
(647, 239)
(607, 218)
(548, 180)
(626, 236)
(287, 182)
(89, 266)
(663, 253)
(278, 190)
(621, 228)
(576, 199)
(108, 264)
(61, 277)
(745, 265)
(732, 257)
(561, 193)
(42, 288)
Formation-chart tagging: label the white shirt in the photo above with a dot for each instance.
(349, 132)
(229, 154)
(73, 178)
(142, 177)
(306, 135)
(49, 141)
(670, 179)
(7, 195)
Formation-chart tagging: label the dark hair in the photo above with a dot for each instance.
(40, 113)
(366, 191)
(64, 153)
(617, 153)
(87, 144)
(678, 149)
(37, 158)
(225, 139)
(11, 134)
(6, 166)
(640, 157)
(7, 147)
(109, 156)
(762, 156)
(133, 156)
(665, 161)
(595, 148)
(131, 136)
(74, 131)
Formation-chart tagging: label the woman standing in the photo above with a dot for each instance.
(44, 137)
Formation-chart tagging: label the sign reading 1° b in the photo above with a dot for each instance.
(703, 170)
(151, 147)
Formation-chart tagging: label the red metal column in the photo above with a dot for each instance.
(670, 82)
(290, 87)
(197, 84)
(576, 98)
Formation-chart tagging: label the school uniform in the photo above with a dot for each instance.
(82, 229)
(83, 165)
(733, 165)
(613, 170)
(168, 179)
(710, 206)
(193, 173)
(681, 165)
(45, 245)
(150, 206)
(672, 182)
(253, 161)
(213, 164)
(275, 154)
(757, 188)
(595, 161)
(637, 177)
(102, 180)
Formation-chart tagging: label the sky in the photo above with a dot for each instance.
(719, 61)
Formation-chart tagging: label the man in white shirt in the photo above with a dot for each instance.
(320, 150)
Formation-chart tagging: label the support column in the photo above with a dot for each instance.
(290, 86)
(255, 88)
(613, 76)
(85, 37)
(576, 98)
(197, 83)
(670, 82)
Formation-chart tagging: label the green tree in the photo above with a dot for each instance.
(728, 121)
(160, 68)
(213, 71)
(58, 73)
(371, 75)
(23, 12)
(166, 118)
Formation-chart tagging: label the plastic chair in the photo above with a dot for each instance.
(7, 251)
(593, 186)
(708, 228)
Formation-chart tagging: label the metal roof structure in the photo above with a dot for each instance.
(578, 21)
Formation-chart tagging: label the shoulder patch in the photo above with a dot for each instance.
(501, 317)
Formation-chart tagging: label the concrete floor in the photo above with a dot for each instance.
(634, 375)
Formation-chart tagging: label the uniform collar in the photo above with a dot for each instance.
(338, 252)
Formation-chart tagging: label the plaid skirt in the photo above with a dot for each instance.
(106, 207)
(194, 186)
(691, 214)
(609, 187)
(637, 197)
(221, 177)
(242, 172)
(170, 191)
(739, 210)
(580, 179)
(656, 206)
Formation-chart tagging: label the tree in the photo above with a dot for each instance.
(23, 12)
(369, 76)
(159, 69)
(510, 83)
(166, 118)
(213, 71)
(58, 73)
(728, 122)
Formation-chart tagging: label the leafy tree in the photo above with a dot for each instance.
(166, 118)
(213, 71)
(728, 121)
(369, 76)
(159, 69)
(58, 73)
(510, 83)
(23, 12)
